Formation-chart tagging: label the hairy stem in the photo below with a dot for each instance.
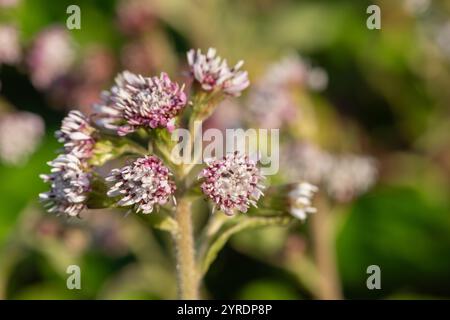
(325, 253)
(188, 277)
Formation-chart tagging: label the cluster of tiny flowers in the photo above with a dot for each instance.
(70, 178)
(20, 134)
(136, 101)
(69, 185)
(51, 56)
(305, 162)
(300, 200)
(76, 135)
(232, 183)
(213, 73)
(9, 45)
(350, 176)
(271, 103)
(293, 70)
(135, 16)
(145, 184)
(343, 176)
(271, 107)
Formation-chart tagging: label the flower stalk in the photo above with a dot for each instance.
(325, 252)
(188, 277)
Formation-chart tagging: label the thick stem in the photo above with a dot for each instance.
(188, 277)
(325, 253)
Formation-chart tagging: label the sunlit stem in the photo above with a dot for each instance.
(325, 252)
(188, 276)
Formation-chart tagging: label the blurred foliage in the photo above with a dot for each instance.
(387, 96)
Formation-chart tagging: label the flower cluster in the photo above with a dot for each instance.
(20, 134)
(350, 176)
(232, 183)
(77, 135)
(136, 101)
(343, 176)
(69, 185)
(51, 56)
(144, 184)
(272, 102)
(300, 200)
(70, 177)
(213, 73)
(9, 45)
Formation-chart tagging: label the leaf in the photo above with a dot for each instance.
(162, 221)
(239, 225)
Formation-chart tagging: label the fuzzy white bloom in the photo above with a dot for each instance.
(76, 135)
(69, 185)
(299, 199)
(271, 107)
(350, 176)
(20, 134)
(305, 162)
(232, 183)
(213, 73)
(293, 70)
(145, 184)
(10, 52)
(51, 56)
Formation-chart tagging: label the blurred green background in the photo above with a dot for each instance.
(387, 95)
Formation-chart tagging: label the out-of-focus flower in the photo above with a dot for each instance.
(271, 107)
(136, 101)
(300, 200)
(227, 115)
(213, 73)
(97, 65)
(416, 7)
(442, 36)
(144, 184)
(9, 3)
(82, 86)
(232, 183)
(317, 79)
(9, 45)
(350, 176)
(69, 185)
(343, 176)
(51, 56)
(76, 135)
(293, 71)
(137, 56)
(20, 134)
(135, 16)
(305, 162)
(289, 70)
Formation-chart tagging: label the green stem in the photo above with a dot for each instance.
(325, 252)
(188, 277)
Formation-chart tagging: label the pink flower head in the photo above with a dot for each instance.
(136, 101)
(51, 56)
(213, 73)
(232, 183)
(76, 135)
(10, 51)
(144, 184)
(20, 134)
(69, 184)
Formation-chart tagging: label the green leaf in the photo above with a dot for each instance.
(161, 221)
(237, 225)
